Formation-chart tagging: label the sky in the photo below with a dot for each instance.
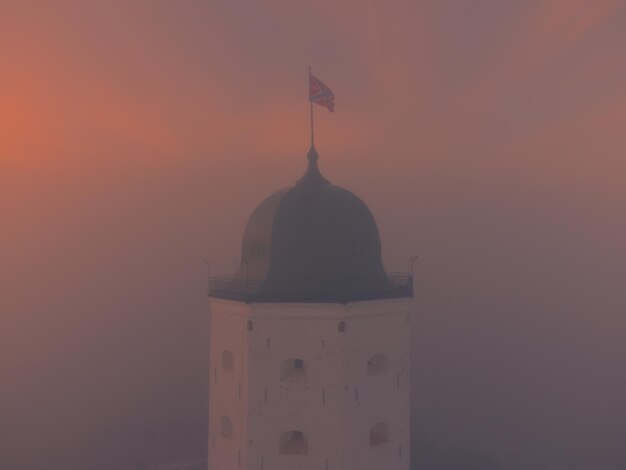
(487, 137)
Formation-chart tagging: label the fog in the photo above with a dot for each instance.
(486, 137)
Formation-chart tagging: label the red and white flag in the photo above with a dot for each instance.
(320, 94)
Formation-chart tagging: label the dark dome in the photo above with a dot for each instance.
(310, 240)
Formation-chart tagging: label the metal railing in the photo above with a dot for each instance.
(328, 290)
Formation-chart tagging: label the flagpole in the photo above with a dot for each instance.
(311, 104)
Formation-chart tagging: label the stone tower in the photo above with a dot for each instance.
(310, 340)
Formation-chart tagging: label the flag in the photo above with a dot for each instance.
(320, 94)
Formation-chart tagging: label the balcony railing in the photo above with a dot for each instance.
(329, 290)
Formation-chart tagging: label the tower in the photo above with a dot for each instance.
(309, 348)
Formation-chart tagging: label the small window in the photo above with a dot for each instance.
(379, 435)
(377, 366)
(226, 427)
(293, 370)
(293, 443)
(250, 325)
(341, 327)
(256, 249)
(228, 362)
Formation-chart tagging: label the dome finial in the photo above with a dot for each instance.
(312, 174)
(312, 156)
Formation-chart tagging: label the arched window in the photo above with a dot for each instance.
(293, 443)
(228, 362)
(226, 427)
(377, 365)
(379, 435)
(293, 370)
(341, 327)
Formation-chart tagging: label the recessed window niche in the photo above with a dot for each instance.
(379, 435)
(293, 443)
(228, 361)
(226, 427)
(377, 366)
(293, 370)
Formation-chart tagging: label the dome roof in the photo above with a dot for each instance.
(308, 239)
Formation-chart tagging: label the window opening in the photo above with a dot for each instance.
(379, 435)
(226, 427)
(228, 361)
(293, 370)
(377, 365)
(293, 443)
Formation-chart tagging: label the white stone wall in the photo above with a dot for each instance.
(335, 406)
(228, 333)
